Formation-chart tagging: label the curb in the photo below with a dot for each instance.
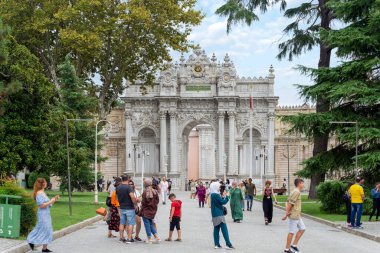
(334, 225)
(24, 247)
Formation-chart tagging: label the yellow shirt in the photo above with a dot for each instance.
(356, 192)
(295, 200)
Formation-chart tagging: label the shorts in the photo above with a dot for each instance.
(175, 223)
(127, 216)
(296, 225)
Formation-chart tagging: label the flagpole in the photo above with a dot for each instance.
(250, 133)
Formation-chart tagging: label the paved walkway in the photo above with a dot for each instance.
(250, 236)
(6, 244)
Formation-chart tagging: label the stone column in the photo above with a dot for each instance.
(231, 146)
(128, 142)
(173, 143)
(242, 171)
(221, 143)
(163, 139)
(270, 144)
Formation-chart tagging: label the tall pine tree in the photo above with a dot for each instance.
(307, 20)
(353, 89)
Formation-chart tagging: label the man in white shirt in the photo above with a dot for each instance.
(164, 185)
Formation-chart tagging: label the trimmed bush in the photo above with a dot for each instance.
(331, 194)
(33, 177)
(28, 205)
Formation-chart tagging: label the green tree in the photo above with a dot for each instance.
(74, 103)
(26, 110)
(304, 30)
(353, 89)
(120, 41)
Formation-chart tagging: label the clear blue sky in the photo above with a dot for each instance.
(253, 49)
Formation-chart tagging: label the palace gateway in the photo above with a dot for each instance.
(200, 94)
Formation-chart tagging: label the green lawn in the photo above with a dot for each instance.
(312, 207)
(83, 208)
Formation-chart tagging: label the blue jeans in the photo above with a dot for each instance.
(222, 226)
(249, 202)
(242, 204)
(149, 228)
(356, 210)
(127, 215)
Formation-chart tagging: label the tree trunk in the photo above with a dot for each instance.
(323, 105)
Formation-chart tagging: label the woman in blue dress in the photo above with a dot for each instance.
(43, 231)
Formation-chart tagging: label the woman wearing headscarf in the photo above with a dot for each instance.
(217, 202)
(114, 222)
(201, 192)
(150, 200)
(235, 203)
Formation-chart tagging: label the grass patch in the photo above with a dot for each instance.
(83, 208)
(313, 207)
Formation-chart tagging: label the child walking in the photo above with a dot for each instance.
(175, 217)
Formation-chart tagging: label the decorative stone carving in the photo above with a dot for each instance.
(145, 119)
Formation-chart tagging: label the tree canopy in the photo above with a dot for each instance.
(117, 41)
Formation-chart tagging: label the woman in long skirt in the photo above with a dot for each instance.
(268, 196)
(43, 231)
(235, 203)
(201, 192)
(114, 222)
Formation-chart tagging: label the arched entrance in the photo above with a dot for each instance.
(147, 142)
(199, 148)
(256, 152)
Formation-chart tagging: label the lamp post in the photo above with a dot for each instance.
(143, 154)
(356, 138)
(68, 160)
(96, 158)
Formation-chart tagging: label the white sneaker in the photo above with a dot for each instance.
(217, 247)
(230, 247)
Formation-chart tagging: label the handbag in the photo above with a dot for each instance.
(101, 211)
(108, 202)
(137, 211)
(225, 211)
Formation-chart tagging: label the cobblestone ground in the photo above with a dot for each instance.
(250, 236)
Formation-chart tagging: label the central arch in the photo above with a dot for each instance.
(198, 136)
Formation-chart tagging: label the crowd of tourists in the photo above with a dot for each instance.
(129, 209)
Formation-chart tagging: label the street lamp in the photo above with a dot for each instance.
(68, 159)
(143, 153)
(96, 158)
(356, 138)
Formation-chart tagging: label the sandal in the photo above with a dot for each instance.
(112, 236)
(168, 240)
(178, 240)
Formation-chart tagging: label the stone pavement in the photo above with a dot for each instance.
(250, 236)
(6, 244)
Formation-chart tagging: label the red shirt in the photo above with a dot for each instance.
(177, 208)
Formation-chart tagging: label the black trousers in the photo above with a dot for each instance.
(268, 208)
(348, 209)
(376, 206)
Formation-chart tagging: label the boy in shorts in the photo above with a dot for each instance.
(293, 212)
(175, 217)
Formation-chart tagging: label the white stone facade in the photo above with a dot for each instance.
(190, 93)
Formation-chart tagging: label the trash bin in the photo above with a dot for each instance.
(10, 218)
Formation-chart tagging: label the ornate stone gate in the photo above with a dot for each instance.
(199, 90)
